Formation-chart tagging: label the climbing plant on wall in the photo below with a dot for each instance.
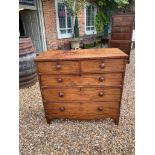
(105, 9)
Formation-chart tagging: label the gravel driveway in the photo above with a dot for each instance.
(73, 137)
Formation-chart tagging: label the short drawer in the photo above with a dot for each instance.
(106, 65)
(82, 80)
(82, 110)
(62, 67)
(83, 94)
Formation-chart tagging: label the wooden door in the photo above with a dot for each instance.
(32, 28)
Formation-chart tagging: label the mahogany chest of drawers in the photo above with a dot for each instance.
(81, 84)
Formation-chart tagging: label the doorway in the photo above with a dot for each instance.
(31, 25)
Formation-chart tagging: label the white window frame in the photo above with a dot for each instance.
(61, 36)
(89, 32)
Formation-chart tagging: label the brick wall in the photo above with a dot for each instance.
(49, 13)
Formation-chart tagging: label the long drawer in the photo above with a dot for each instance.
(82, 110)
(82, 80)
(121, 36)
(120, 44)
(101, 66)
(122, 21)
(83, 94)
(120, 29)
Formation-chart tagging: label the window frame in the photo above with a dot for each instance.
(89, 32)
(61, 36)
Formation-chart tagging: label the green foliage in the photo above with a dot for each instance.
(106, 7)
(76, 28)
(74, 6)
(100, 21)
(132, 5)
(121, 4)
(112, 4)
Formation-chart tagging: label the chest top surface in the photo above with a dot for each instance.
(100, 53)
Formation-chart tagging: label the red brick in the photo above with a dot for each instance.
(49, 13)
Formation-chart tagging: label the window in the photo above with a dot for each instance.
(27, 2)
(64, 20)
(90, 12)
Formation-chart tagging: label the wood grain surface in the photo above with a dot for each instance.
(83, 94)
(121, 33)
(84, 84)
(82, 80)
(63, 67)
(83, 110)
(100, 53)
(101, 66)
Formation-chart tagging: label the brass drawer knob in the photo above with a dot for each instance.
(60, 80)
(101, 93)
(102, 65)
(58, 66)
(61, 94)
(100, 109)
(101, 78)
(62, 109)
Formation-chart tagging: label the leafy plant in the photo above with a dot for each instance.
(74, 6)
(106, 7)
(76, 28)
(100, 21)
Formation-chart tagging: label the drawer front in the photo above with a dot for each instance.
(63, 67)
(123, 21)
(83, 110)
(120, 45)
(121, 36)
(83, 94)
(99, 66)
(83, 80)
(121, 30)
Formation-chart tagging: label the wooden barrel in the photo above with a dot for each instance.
(27, 69)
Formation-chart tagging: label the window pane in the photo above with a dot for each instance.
(88, 11)
(61, 14)
(92, 28)
(62, 31)
(90, 18)
(65, 19)
(87, 23)
(88, 28)
(62, 23)
(92, 10)
(69, 31)
(69, 18)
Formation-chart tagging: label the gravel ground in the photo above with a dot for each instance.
(73, 137)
